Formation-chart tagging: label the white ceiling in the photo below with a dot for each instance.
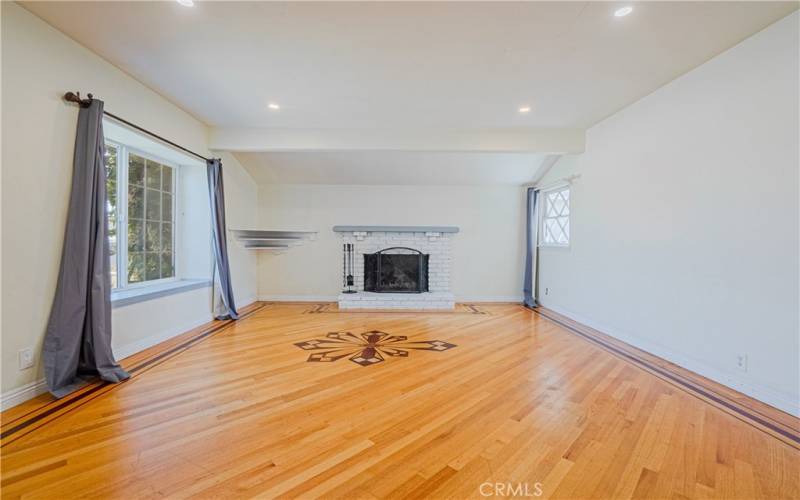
(446, 75)
(391, 167)
(333, 65)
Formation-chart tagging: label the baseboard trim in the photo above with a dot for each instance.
(49, 409)
(127, 350)
(246, 302)
(12, 398)
(769, 418)
(29, 391)
(513, 299)
(764, 394)
(334, 298)
(298, 298)
(140, 345)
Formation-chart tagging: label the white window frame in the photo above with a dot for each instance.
(123, 151)
(543, 204)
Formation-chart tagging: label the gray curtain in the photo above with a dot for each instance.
(531, 255)
(77, 344)
(216, 195)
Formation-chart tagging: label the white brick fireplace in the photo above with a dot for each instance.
(433, 241)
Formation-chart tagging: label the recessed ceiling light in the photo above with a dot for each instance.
(186, 3)
(524, 109)
(274, 106)
(624, 11)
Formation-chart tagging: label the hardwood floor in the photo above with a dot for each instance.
(507, 402)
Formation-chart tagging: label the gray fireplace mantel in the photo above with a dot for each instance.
(396, 229)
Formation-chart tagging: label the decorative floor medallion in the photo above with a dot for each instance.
(367, 348)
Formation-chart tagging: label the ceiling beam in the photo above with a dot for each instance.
(518, 140)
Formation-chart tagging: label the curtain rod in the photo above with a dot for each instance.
(76, 98)
(560, 182)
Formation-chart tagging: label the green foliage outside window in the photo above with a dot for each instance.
(149, 228)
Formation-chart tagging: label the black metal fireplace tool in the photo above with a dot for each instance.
(347, 268)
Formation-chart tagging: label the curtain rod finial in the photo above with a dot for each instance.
(76, 98)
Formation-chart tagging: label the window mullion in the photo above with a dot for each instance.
(175, 217)
(122, 228)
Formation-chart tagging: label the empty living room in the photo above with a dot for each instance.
(401, 249)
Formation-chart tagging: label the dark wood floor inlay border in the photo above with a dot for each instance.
(748, 415)
(368, 348)
(62, 406)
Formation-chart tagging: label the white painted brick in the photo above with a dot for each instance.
(437, 246)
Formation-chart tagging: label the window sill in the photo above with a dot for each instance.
(140, 294)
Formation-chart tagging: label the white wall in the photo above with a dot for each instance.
(685, 221)
(38, 65)
(241, 212)
(487, 253)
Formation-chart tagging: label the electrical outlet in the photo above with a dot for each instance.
(547, 291)
(741, 362)
(25, 357)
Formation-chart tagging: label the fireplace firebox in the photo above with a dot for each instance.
(396, 270)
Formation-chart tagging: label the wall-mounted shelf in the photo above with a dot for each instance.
(396, 229)
(257, 239)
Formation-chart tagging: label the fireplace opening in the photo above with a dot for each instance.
(396, 270)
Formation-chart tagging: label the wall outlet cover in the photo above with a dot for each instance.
(741, 362)
(25, 358)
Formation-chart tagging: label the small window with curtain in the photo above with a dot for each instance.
(555, 217)
(141, 217)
